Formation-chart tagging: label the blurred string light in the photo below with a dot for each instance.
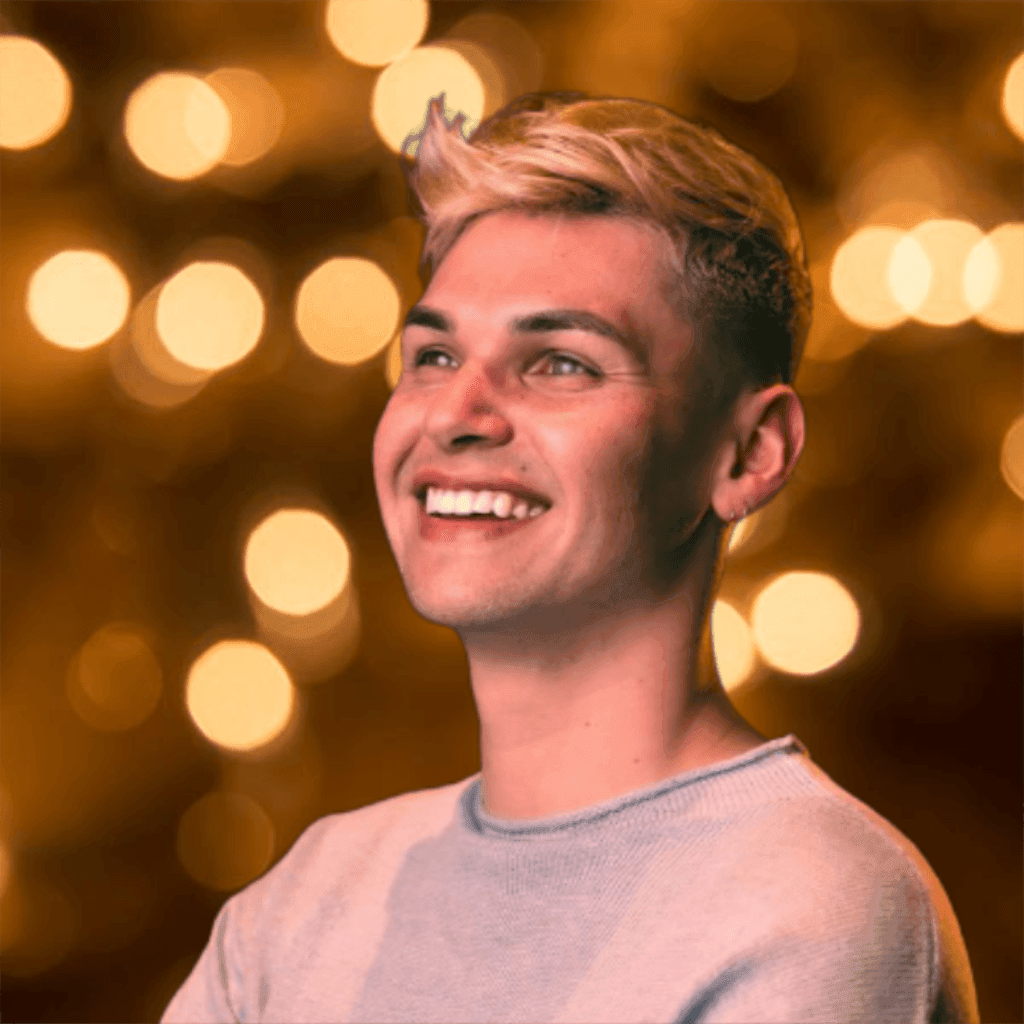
(239, 695)
(78, 298)
(36, 97)
(734, 649)
(225, 840)
(256, 113)
(177, 125)
(209, 316)
(114, 682)
(374, 33)
(404, 89)
(804, 622)
(1011, 457)
(940, 273)
(1013, 97)
(346, 310)
(297, 561)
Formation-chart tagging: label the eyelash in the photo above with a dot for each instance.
(558, 356)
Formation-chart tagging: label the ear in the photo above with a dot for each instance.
(759, 451)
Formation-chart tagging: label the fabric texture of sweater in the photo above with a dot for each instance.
(751, 890)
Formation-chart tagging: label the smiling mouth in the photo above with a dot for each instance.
(492, 506)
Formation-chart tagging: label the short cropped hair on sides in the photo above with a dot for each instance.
(738, 271)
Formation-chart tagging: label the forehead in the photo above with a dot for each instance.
(612, 265)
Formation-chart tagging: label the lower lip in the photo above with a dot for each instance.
(432, 528)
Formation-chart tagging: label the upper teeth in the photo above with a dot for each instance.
(465, 503)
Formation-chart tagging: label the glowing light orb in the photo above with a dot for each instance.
(257, 113)
(375, 32)
(78, 299)
(346, 310)
(114, 682)
(860, 279)
(735, 653)
(994, 279)
(209, 315)
(177, 126)
(1011, 457)
(225, 840)
(239, 695)
(296, 561)
(804, 622)
(35, 100)
(404, 89)
(1013, 97)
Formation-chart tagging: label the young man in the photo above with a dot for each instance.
(596, 383)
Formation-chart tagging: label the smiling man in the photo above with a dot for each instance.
(596, 383)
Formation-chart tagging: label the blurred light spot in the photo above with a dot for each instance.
(225, 840)
(177, 126)
(114, 681)
(209, 315)
(78, 299)
(945, 245)
(346, 310)
(35, 100)
(910, 273)
(735, 653)
(832, 338)
(296, 561)
(376, 32)
(256, 111)
(750, 57)
(982, 274)
(239, 695)
(404, 89)
(1013, 97)
(805, 622)
(1004, 309)
(859, 278)
(393, 363)
(1011, 457)
(503, 53)
(40, 925)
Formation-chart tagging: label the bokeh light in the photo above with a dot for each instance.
(35, 100)
(177, 126)
(750, 57)
(78, 299)
(859, 278)
(1013, 97)
(40, 926)
(256, 112)
(404, 89)
(1011, 457)
(995, 270)
(936, 296)
(735, 652)
(114, 681)
(375, 32)
(225, 840)
(209, 315)
(6, 866)
(804, 622)
(239, 695)
(346, 310)
(296, 561)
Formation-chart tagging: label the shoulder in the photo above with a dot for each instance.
(341, 854)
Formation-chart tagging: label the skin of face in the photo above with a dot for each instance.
(582, 628)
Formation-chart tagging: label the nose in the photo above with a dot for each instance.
(469, 408)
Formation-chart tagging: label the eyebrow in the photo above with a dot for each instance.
(542, 322)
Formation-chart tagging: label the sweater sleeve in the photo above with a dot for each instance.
(212, 993)
(897, 963)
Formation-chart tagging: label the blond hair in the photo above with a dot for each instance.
(738, 271)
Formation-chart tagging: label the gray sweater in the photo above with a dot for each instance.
(752, 890)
